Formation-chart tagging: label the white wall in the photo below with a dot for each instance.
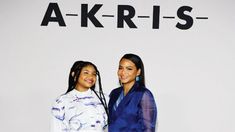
(190, 72)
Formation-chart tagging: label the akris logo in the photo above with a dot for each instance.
(125, 14)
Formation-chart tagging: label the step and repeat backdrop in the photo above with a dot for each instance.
(188, 49)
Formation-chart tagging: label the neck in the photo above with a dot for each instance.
(127, 87)
(81, 89)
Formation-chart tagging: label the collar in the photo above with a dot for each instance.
(79, 94)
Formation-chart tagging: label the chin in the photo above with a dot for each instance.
(124, 82)
(88, 86)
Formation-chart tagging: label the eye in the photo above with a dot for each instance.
(94, 74)
(85, 72)
(129, 68)
(120, 68)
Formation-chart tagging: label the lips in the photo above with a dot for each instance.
(91, 81)
(123, 78)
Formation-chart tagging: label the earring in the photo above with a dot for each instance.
(72, 74)
(137, 78)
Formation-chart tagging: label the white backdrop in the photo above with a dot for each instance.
(190, 72)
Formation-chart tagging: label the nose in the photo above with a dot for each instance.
(91, 76)
(121, 72)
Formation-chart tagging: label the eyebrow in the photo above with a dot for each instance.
(127, 66)
(88, 71)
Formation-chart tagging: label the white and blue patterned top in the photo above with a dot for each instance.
(78, 111)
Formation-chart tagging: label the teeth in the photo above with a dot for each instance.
(89, 81)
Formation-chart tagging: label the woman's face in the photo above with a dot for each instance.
(127, 72)
(87, 78)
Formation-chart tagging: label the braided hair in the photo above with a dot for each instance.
(73, 80)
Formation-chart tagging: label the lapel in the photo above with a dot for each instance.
(113, 98)
(126, 100)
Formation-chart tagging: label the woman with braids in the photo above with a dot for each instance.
(131, 107)
(81, 108)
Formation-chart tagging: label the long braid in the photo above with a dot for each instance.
(102, 93)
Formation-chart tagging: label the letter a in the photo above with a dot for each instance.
(58, 16)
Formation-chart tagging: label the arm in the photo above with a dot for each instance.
(58, 123)
(149, 111)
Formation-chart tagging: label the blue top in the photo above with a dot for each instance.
(135, 112)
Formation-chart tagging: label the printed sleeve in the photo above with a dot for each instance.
(149, 112)
(58, 123)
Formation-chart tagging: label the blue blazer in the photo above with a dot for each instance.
(137, 111)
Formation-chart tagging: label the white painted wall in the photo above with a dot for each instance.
(190, 72)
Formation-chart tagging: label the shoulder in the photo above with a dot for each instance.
(60, 105)
(146, 92)
(114, 94)
(115, 91)
(62, 100)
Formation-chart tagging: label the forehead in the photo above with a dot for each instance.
(89, 68)
(126, 62)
